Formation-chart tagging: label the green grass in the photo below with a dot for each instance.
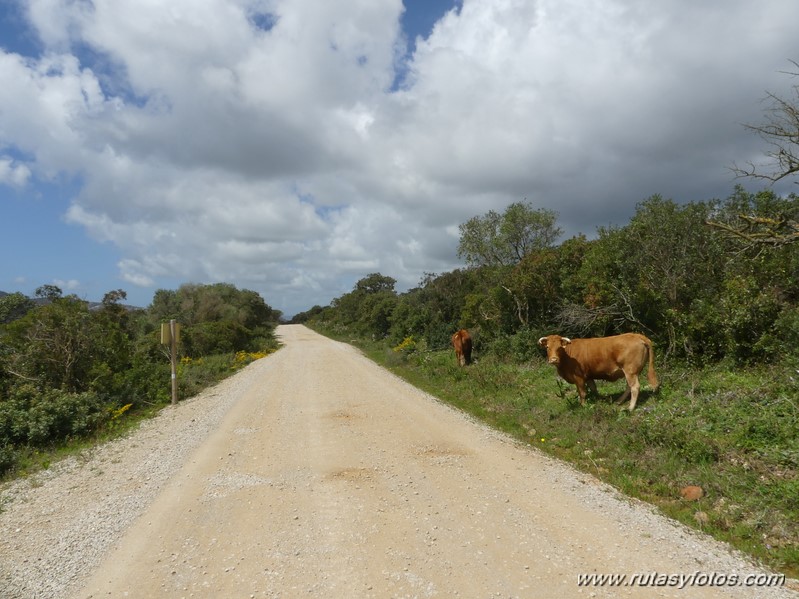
(734, 433)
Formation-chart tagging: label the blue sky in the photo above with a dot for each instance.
(294, 146)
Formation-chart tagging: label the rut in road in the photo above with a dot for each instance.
(330, 477)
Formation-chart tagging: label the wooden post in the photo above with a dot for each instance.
(173, 351)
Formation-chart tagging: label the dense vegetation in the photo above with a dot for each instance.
(702, 294)
(70, 371)
(716, 286)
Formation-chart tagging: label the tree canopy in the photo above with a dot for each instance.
(505, 239)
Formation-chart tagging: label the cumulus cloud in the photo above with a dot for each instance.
(12, 173)
(69, 285)
(268, 144)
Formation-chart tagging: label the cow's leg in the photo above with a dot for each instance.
(633, 387)
(581, 389)
(592, 386)
(624, 395)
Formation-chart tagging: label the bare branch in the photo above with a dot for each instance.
(22, 376)
(780, 131)
(760, 231)
(627, 315)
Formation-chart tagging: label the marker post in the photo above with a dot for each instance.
(170, 333)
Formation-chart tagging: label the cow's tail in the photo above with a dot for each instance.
(651, 376)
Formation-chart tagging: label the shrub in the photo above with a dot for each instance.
(42, 418)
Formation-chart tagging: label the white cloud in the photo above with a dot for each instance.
(69, 285)
(279, 158)
(12, 173)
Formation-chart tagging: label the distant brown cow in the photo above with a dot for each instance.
(581, 361)
(462, 342)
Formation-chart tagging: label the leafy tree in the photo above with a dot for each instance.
(368, 307)
(758, 221)
(508, 249)
(48, 292)
(434, 310)
(534, 286)
(492, 307)
(596, 304)
(504, 239)
(53, 345)
(113, 298)
(244, 321)
(376, 313)
(302, 317)
(761, 230)
(165, 306)
(375, 283)
(670, 252)
(13, 306)
(215, 337)
(760, 288)
(647, 275)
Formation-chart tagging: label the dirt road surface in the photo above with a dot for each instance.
(330, 477)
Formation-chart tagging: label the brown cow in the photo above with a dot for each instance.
(581, 361)
(462, 342)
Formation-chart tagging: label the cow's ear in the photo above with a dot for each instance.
(542, 342)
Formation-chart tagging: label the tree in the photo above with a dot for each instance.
(504, 239)
(647, 276)
(245, 321)
(758, 221)
(499, 244)
(113, 298)
(434, 310)
(48, 292)
(165, 306)
(54, 345)
(758, 231)
(761, 279)
(375, 283)
(369, 305)
(13, 306)
(780, 131)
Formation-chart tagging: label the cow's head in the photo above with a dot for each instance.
(553, 345)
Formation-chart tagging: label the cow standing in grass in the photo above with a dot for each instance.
(462, 342)
(582, 361)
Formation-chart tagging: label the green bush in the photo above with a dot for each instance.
(783, 337)
(43, 418)
(221, 337)
(8, 458)
(518, 348)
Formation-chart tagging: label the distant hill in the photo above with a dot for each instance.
(92, 305)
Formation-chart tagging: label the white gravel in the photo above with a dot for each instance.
(56, 525)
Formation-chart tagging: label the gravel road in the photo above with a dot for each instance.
(315, 473)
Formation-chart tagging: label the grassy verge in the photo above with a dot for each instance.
(734, 433)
